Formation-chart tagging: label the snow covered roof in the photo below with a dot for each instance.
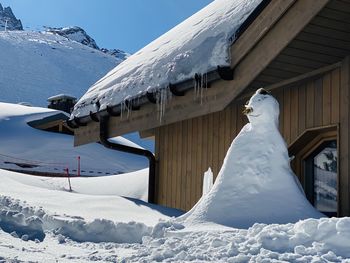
(197, 45)
(61, 97)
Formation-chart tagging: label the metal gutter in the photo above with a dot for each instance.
(128, 149)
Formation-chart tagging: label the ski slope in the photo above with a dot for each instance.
(37, 65)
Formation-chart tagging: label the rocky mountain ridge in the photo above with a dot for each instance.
(78, 34)
(8, 20)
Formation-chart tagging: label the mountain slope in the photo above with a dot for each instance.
(37, 65)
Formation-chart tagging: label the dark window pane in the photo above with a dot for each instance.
(325, 178)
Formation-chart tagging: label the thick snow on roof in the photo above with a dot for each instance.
(61, 96)
(197, 45)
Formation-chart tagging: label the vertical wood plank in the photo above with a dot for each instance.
(326, 99)
(189, 165)
(171, 179)
(302, 109)
(221, 138)
(343, 184)
(335, 96)
(157, 154)
(184, 164)
(310, 104)
(178, 164)
(165, 163)
(318, 117)
(227, 129)
(216, 144)
(194, 175)
(294, 113)
(161, 166)
(286, 113)
(205, 163)
(210, 140)
(199, 173)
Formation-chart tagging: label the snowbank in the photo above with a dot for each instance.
(197, 45)
(255, 183)
(310, 240)
(29, 206)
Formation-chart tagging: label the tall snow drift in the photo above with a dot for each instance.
(255, 183)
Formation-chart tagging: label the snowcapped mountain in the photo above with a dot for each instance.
(37, 65)
(78, 34)
(7, 16)
(74, 33)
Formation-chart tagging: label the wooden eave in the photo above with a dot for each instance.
(268, 35)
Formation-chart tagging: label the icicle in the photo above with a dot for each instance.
(207, 182)
(162, 96)
(200, 86)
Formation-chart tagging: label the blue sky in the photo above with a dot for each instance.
(125, 24)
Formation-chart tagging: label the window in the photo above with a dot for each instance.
(316, 165)
(321, 178)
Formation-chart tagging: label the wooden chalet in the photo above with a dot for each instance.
(297, 49)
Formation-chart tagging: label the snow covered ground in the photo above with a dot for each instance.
(43, 223)
(53, 152)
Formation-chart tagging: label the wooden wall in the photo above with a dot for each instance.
(186, 149)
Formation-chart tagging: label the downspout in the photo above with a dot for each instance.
(128, 149)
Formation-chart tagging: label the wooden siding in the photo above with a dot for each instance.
(188, 148)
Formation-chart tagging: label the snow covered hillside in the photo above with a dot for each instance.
(53, 152)
(37, 65)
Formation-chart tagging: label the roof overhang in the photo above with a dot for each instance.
(268, 34)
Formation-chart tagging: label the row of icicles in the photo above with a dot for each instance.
(164, 95)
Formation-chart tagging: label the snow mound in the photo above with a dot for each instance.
(310, 240)
(197, 45)
(30, 224)
(255, 183)
(30, 207)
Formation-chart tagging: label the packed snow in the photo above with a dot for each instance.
(197, 45)
(37, 150)
(37, 65)
(255, 182)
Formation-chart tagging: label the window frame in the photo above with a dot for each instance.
(304, 146)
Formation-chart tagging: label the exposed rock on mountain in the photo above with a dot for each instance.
(78, 34)
(74, 33)
(8, 20)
